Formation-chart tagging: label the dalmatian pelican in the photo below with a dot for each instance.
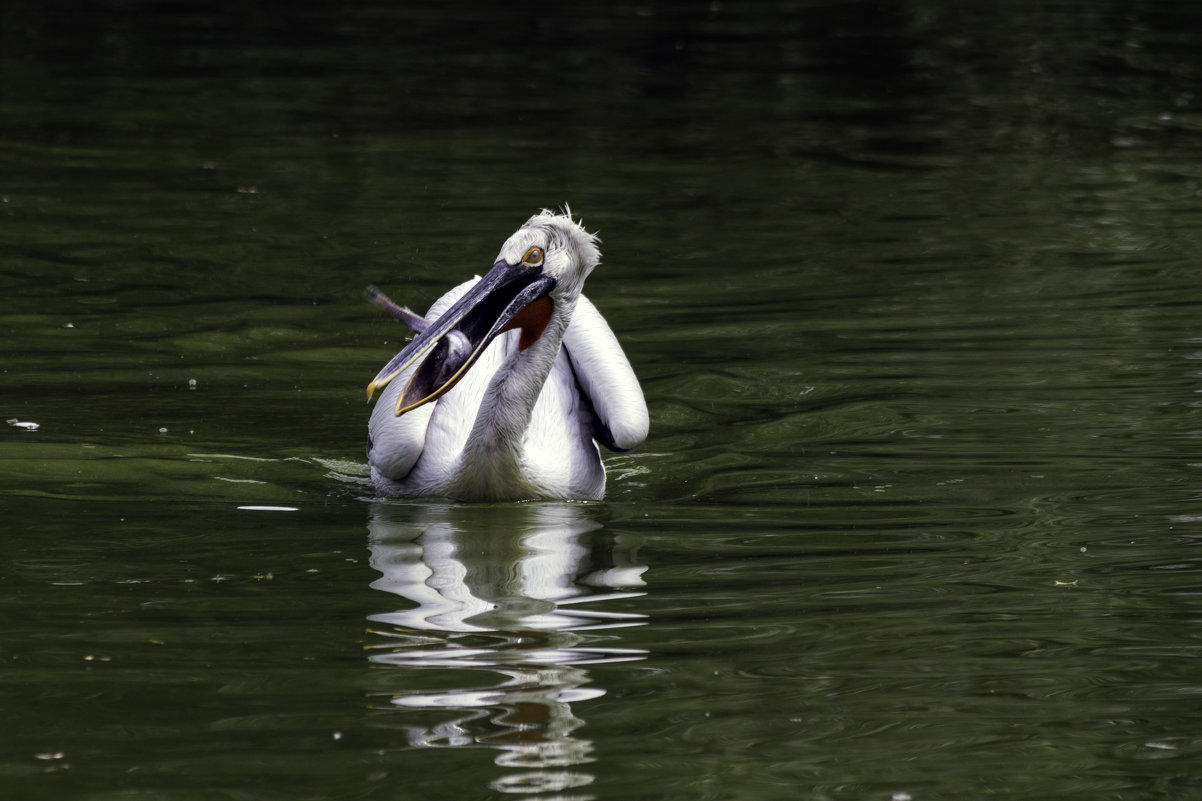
(510, 383)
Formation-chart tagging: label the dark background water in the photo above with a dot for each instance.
(912, 290)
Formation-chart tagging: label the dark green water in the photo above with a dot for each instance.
(914, 293)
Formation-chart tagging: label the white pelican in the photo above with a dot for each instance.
(510, 383)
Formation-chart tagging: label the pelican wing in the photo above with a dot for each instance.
(606, 378)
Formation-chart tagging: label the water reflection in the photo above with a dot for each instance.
(519, 591)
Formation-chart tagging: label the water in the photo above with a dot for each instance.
(913, 296)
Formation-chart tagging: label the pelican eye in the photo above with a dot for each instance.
(533, 257)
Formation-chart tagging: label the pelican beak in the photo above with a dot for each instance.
(507, 297)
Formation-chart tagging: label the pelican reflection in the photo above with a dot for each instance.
(534, 593)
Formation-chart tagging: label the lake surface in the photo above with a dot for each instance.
(915, 299)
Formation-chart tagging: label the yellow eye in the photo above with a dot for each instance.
(533, 257)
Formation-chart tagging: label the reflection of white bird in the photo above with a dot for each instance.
(518, 418)
(530, 567)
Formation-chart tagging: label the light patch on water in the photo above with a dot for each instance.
(343, 469)
(230, 456)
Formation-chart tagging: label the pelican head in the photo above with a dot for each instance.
(540, 269)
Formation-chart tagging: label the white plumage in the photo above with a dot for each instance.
(520, 419)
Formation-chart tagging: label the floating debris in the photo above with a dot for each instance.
(26, 426)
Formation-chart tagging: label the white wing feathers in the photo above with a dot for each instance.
(606, 377)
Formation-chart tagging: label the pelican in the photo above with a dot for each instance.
(510, 383)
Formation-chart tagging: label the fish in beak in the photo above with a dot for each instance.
(509, 296)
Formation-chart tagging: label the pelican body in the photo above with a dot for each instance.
(510, 383)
